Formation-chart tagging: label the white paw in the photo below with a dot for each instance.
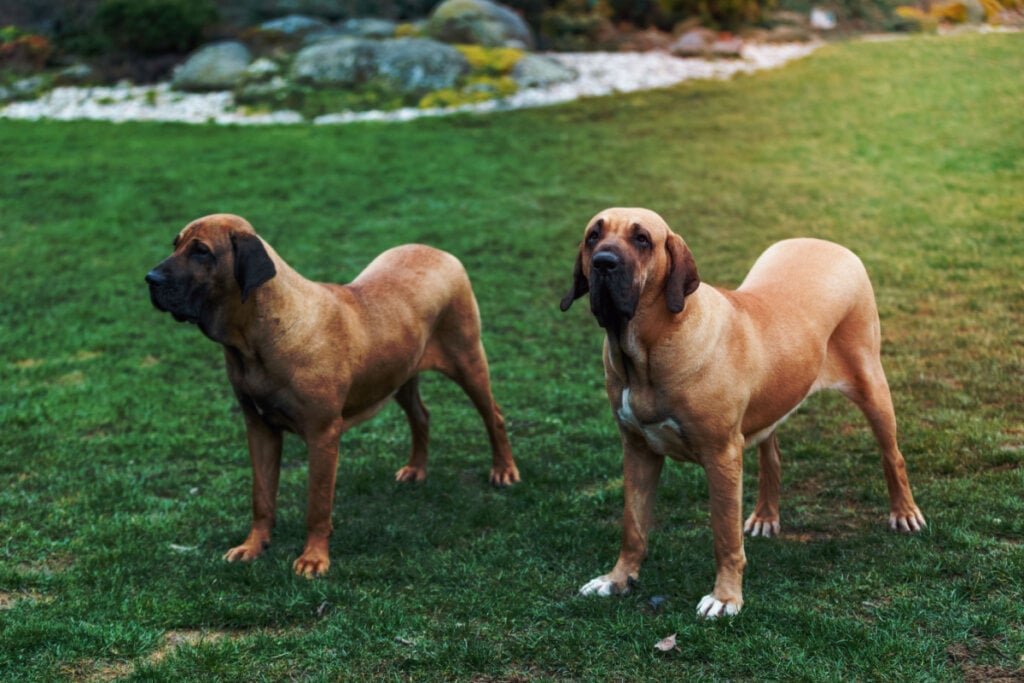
(602, 586)
(711, 607)
(761, 528)
(912, 523)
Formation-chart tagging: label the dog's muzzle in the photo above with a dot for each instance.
(165, 298)
(612, 299)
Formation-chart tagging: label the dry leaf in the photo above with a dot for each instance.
(666, 644)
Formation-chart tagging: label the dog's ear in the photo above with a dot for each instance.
(682, 280)
(253, 265)
(580, 285)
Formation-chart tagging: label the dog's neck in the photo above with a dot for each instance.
(251, 329)
(630, 347)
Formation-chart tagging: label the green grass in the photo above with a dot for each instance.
(123, 472)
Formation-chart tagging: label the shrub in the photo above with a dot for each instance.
(151, 27)
(23, 52)
(492, 61)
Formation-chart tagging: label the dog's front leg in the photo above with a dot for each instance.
(323, 468)
(641, 469)
(725, 483)
(265, 454)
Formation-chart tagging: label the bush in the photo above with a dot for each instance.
(151, 27)
(23, 52)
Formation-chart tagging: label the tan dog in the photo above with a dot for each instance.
(697, 373)
(317, 359)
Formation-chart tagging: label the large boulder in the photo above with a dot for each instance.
(220, 66)
(410, 66)
(336, 62)
(479, 22)
(538, 71)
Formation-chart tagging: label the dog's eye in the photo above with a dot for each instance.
(642, 239)
(593, 235)
(200, 250)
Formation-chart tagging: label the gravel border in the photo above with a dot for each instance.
(599, 74)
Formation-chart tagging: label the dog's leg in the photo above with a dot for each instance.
(641, 469)
(765, 519)
(725, 484)
(470, 372)
(408, 397)
(265, 454)
(870, 391)
(323, 469)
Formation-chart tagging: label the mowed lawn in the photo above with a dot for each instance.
(123, 470)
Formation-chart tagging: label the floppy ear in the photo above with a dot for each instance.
(580, 286)
(253, 265)
(682, 280)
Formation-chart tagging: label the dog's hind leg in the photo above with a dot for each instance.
(765, 519)
(869, 390)
(408, 397)
(470, 371)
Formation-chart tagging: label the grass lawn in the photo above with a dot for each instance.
(123, 470)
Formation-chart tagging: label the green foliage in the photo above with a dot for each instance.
(474, 90)
(490, 61)
(123, 467)
(150, 27)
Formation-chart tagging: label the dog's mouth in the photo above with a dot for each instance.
(162, 302)
(612, 298)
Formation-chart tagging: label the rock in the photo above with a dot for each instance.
(822, 19)
(76, 74)
(409, 65)
(419, 65)
(479, 22)
(694, 43)
(24, 89)
(727, 46)
(297, 25)
(369, 28)
(341, 61)
(215, 67)
(537, 71)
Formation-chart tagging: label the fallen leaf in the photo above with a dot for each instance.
(666, 644)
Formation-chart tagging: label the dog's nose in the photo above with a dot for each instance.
(154, 278)
(605, 261)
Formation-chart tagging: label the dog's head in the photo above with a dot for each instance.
(626, 256)
(217, 262)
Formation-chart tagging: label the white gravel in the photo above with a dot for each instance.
(600, 74)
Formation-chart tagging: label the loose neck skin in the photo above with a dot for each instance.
(634, 351)
(252, 328)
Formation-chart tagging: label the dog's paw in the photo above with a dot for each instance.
(603, 586)
(248, 551)
(909, 522)
(762, 526)
(311, 565)
(504, 476)
(711, 607)
(410, 473)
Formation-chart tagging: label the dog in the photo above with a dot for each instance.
(697, 373)
(317, 359)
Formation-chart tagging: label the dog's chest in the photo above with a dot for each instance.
(665, 435)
